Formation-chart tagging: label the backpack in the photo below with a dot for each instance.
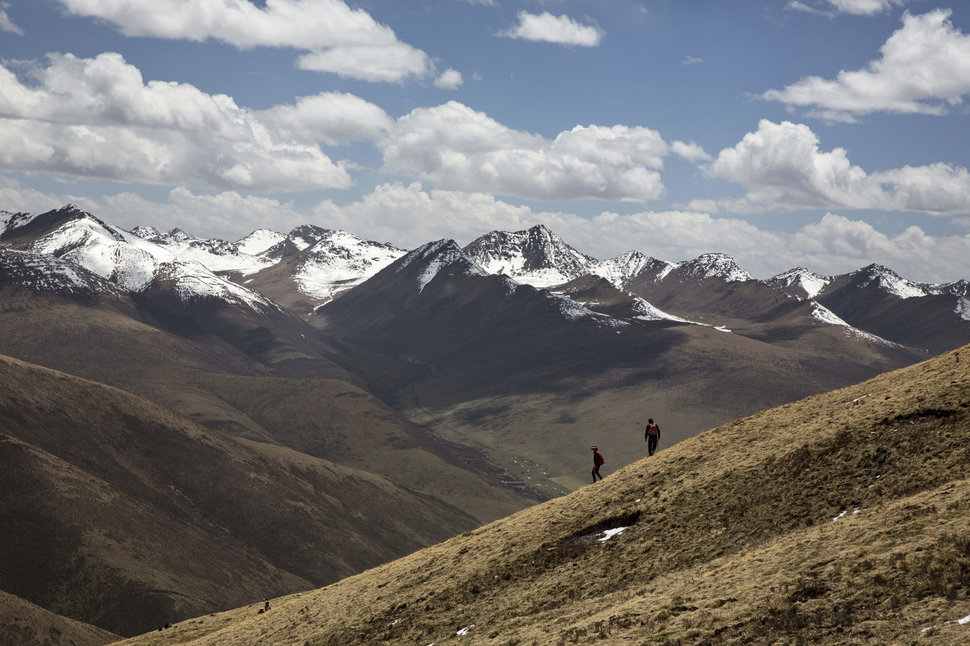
(599, 459)
(653, 429)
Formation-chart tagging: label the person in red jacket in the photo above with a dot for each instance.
(598, 461)
(651, 436)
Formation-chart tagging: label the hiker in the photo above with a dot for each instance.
(598, 461)
(651, 436)
(265, 604)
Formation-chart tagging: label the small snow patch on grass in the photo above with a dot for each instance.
(610, 533)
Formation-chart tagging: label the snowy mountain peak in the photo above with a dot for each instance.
(339, 261)
(890, 281)
(800, 282)
(715, 265)
(258, 241)
(625, 267)
(147, 233)
(431, 259)
(178, 235)
(536, 256)
(130, 261)
(307, 235)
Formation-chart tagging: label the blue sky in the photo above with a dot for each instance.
(822, 133)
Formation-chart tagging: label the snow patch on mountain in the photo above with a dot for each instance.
(103, 250)
(623, 268)
(258, 241)
(217, 255)
(715, 265)
(49, 274)
(646, 311)
(341, 260)
(963, 308)
(433, 257)
(193, 282)
(11, 220)
(536, 257)
(134, 263)
(827, 316)
(806, 284)
(892, 283)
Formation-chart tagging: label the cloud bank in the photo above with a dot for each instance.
(97, 118)
(339, 40)
(924, 69)
(454, 147)
(782, 167)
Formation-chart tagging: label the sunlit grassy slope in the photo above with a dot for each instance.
(838, 519)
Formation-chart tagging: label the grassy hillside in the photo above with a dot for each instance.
(842, 518)
(25, 624)
(223, 389)
(125, 515)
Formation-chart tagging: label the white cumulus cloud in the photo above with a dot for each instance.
(561, 30)
(97, 118)
(339, 39)
(449, 80)
(454, 147)
(690, 151)
(330, 117)
(924, 69)
(782, 167)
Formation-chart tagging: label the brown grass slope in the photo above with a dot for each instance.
(25, 624)
(735, 536)
(125, 515)
(222, 388)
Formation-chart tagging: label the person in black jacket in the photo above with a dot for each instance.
(598, 461)
(651, 436)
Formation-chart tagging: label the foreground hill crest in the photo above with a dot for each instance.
(842, 518)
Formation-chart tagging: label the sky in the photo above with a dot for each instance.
(826, 134)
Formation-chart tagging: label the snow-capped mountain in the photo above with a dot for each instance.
(217, 255)
(799, 282)
(536, 257)
(48, 274)
(130, 261)
(315, 263)
(339, 260)
(311, 265)
(711, 265)
(889, 281)
(436, 257)
(623, 268)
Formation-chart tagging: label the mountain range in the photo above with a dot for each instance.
(463, 383)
